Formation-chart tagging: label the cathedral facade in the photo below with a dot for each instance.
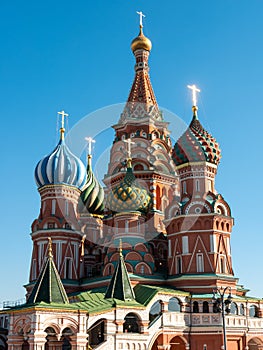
(144, 262)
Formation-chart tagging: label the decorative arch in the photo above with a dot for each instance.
(140, 247)
(174, 305)
(108, 270)
(143, 269)
(131, 323)
(133, 256)
(255, 343)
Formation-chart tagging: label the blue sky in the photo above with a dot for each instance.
(76, 56)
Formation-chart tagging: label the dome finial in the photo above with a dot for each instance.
(120, 247)
(129, 158)
(141, 42)
(62, 129)
(50, 252)
(141, 17)
(194, 98)
(90, 141)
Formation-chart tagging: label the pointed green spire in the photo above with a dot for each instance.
(48, 288)
(120, 285)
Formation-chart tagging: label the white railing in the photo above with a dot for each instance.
(7, 304)
(176, 319)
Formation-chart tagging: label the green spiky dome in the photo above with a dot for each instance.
(92, 196)
(128, 195)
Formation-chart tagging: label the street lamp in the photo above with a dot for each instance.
(222, 305)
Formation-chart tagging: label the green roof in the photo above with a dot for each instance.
(120, 286)
(48, 288)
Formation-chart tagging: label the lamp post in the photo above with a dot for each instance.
(223, 306)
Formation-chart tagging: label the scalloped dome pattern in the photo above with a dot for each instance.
(128, 195)
(61, 167)
(196, 144)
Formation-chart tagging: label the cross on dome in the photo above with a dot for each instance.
(129, 143)
(62, 129)
(194, 91)
(141, 17)
(63, 115)
(90, 141)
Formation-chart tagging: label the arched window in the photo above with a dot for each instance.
(233, 309)
(131, 323)
(25, 345)
(96, 333)
(253, 311)
(184, 187)
(205, 307)
(155, 310)
(195, 307)
(174, 305)
(242, 310)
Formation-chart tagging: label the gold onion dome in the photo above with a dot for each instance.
(141, 42)
(128, 195)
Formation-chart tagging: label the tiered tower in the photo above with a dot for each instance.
(199, 226)
(142, 123)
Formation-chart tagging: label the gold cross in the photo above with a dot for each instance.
(194, 91)
(89, 141)
(63, 115)
(141, 16)
(129, 143)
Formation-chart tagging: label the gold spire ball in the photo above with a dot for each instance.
(141, 42)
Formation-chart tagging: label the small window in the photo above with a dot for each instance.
(51, 225)
(67, 226)
(222, 264)
(66, 208)
(197, 185)
(185, 244)
(205, 307)
(34, 269)
(195, 307)
(184, 187)
(199, 263)
(68, 268)
(142, 269)
(53, 212)
(178, 264)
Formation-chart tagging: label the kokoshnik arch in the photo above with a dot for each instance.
(134, 265)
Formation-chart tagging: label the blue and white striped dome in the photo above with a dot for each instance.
(61, 167)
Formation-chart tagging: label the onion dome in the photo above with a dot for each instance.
(61, 166)
(196, 145)
(141, 42)
(128, 195)
(92, 196)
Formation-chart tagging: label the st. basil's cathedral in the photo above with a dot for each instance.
(143, 263)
